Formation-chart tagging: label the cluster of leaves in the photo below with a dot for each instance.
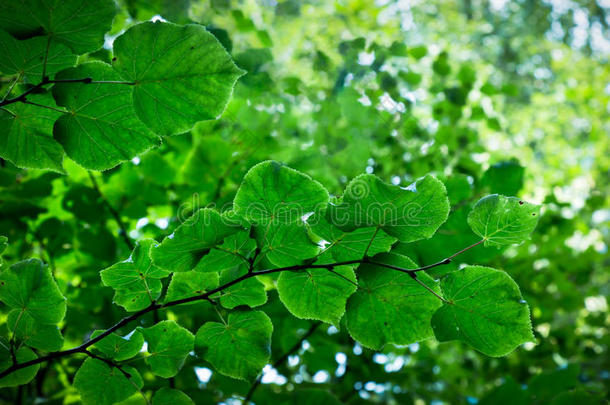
(162, 79)
(220, 257)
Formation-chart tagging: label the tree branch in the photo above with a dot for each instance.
(45, 80)
(207, 296)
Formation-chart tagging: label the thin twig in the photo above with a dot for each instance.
(414, 277)
(45, 80)
(207, 296)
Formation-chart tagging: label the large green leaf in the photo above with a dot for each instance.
(32, 333)
(136, 281)
(250, 292)
(272, 193)
(79, 24)
(26, 59)
(19, 377)
(233, 252)
(389, 306)
(170, 396)
(101, 128)
(182, 74)
(409, 214)
(30, 287)
(485, 310)
(238, 349)
(182, 250)
(26, 135)
(285, 244)
(503, 220)
(345, 246)
(190, 284)
(117, 347)
(168, 346)
(317, 293)
(99, 384)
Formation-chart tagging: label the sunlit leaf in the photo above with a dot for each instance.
(485, 310)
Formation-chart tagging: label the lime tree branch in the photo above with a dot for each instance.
(22, 98)
(208, 296)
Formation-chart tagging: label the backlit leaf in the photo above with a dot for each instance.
(182, 74)
(239, 349)
(273, 193)
(99, 384)
(26, 135)
(182, 250)
(317, 293)
(409, 214)
(485, 310)
(168, 346)
(29, 286)
(101, 128)
(78, 24)
(391, 307)
(503, 220)
(136, 281)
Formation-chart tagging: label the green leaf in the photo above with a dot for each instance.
(78, 24)
(317, 293)
(273, 193)
(285, 245)
(168, 345)
(182, 74)
(182, 250)
(101, 128)
(239, 349)
(231, 253)
(170, 396)
(345, 246)
(32, 333)
(485, 310)
(99, 384)
(136, 281)
(117, 347)
(503, 220)
(250, 292)
(190, 284)
(19, 377)
(29, 286)
(409, 214)
(3, 243)
(26, 135)
(26, 58)
(391, 307)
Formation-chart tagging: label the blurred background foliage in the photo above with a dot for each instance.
(509, 97)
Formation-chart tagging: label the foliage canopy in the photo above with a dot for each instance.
(207, 202)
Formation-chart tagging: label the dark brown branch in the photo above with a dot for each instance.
(208, 296)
